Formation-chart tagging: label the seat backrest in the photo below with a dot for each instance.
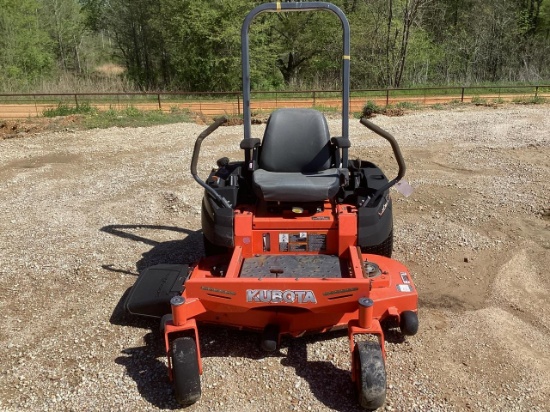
(296, 141)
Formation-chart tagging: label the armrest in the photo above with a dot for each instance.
(341, 142)
(251, 143)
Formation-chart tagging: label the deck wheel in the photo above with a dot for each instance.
(270, 338)
(370, 372)
(185, 370)
(408, 323)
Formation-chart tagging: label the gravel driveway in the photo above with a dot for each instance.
(82, 211)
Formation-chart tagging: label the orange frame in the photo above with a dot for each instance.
(296, 305)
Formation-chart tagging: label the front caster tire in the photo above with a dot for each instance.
(408, 323)
(185, 370)
(370, 373)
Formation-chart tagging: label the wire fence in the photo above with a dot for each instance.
(230, 103)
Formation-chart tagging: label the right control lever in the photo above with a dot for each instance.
(398, 156)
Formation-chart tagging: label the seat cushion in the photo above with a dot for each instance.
(296, 187)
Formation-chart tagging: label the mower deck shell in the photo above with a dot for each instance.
(298, 305)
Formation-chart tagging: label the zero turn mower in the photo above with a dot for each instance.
(298, 239)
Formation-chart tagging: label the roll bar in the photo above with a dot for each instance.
(279, 7)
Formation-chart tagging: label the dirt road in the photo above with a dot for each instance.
(83, 211)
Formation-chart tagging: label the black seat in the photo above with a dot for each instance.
(296, 159)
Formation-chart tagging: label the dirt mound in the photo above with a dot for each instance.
(19, 128)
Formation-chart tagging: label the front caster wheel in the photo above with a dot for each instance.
(370, 373)
(185, 370)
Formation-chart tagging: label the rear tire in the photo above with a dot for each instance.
(370, 372)
(210, 249)
(382, 249)
(185, 370)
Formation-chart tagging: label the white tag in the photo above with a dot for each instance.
(404, 188)
(404, 288)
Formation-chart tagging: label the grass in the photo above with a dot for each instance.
(397, 109)
(409, 105)
(479, 101)
(327, 109)
(529, 100)
(370, 108)
(66, 110)
(130, 116)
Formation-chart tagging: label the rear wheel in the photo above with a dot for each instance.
(382, 249)
(370, 373)
(185, 370)
(210, 249)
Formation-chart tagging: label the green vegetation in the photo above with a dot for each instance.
(529, 100)
(397, 109)
(66, 110)
(132, 117)
(327, 109)
(394, 44)
(479, 101)
(127, 117)
(408, 105)
(194, 45)
(371, 108)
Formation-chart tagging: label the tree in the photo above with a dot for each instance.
(307, 43)
(26, 50)
(138, 39)
(64, 21)
(203, 44)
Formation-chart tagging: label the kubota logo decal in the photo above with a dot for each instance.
(280, 296)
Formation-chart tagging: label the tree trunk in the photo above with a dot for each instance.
(290, 68)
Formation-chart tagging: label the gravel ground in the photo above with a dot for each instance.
(83, 211)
